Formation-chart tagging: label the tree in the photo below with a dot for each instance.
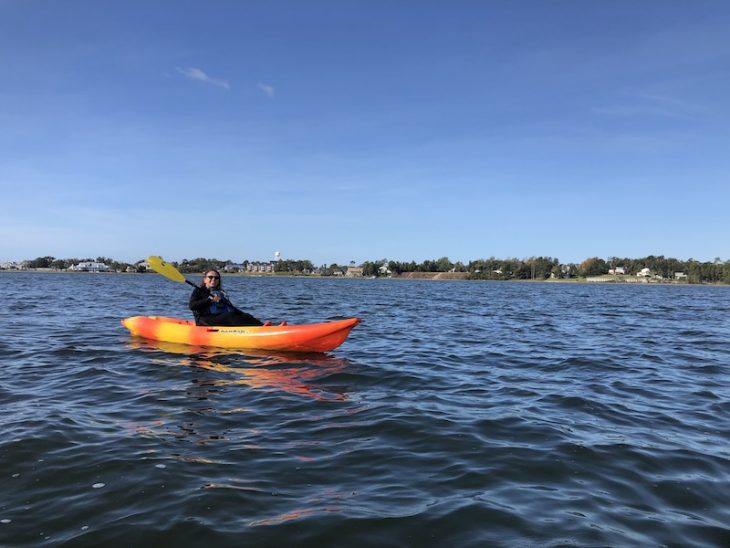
(694, 272)
(41, 262)
(294, 266)
(370, 269)
(593, 266)
(541, 267)
(394, 267)
(444, 265)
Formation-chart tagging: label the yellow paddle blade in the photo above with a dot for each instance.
(166, 269)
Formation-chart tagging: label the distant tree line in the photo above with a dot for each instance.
(379, 268)
(696, 271)
(200, 265)
(284, 266)
(532, 268)
(294, 267)
(541, 268)
(65, 264)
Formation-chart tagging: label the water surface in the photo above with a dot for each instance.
(470, 413)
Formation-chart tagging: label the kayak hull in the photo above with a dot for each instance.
(318, 337)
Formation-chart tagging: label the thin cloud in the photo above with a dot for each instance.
(672, 103)
(647, 104)
(197, 74)
(268, 90)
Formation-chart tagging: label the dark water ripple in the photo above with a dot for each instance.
(465, 413)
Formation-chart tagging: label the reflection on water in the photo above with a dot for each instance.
(216, 370)
(289, 372)
(329, 501)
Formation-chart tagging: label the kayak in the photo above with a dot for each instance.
(316, 337)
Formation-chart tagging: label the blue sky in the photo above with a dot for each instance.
(360, 130)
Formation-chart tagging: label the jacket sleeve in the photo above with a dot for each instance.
(199, 300)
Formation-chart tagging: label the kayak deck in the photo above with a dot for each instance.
(318, 337)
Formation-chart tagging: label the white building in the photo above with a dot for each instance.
(90, 267)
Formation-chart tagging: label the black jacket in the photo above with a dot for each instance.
(200, 303)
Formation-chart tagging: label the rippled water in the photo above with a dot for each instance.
(466, 413)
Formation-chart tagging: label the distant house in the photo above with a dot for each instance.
(680, 276)
(90, 267)
(354, 271)
(644, 273)
(234, 268)
(568, 270)
(617, 270)
(384, 270)
(260, 267)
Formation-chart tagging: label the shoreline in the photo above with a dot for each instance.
(427, 276)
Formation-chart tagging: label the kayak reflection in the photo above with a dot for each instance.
(292, 373)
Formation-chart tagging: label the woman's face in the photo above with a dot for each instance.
(211, 279)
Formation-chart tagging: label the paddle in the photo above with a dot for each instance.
(167, 270)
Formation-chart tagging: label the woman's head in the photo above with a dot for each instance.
(212, 279)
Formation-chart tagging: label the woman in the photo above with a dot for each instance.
(210, 305)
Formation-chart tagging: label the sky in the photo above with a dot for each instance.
(346, 130)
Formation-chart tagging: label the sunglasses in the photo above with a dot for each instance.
(213, 277)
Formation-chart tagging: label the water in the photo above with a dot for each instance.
(461, 413)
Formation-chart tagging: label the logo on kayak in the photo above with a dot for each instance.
(234, 331)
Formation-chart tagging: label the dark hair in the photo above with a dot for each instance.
(209, 270)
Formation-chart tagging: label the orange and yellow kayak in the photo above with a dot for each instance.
(316, 337)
